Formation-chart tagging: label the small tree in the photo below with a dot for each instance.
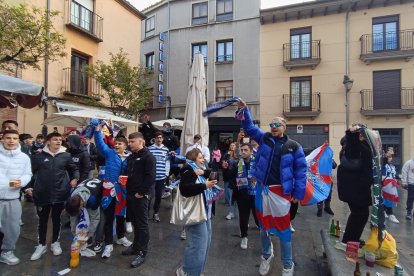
(125, 86)
(28, 36)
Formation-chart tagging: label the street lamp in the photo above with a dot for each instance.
(348, 86)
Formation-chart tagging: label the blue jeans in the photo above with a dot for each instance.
(228, 193)
(197, 247)
(285, 249)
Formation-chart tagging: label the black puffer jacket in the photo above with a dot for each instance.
(80, 156)
(141, 172)
(354, 182)
(52, 174)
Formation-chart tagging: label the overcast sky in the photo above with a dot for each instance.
(142, 4)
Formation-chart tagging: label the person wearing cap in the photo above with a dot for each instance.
(170, 140)
(38, 144)
(26, 143)
(80, 156)
(279, 168)
(198, 143)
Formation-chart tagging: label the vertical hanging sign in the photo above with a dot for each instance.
(161, 60)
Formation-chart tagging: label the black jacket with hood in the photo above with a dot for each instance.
(141, 172)
(80, 156)
(52, 174)
(354, 182)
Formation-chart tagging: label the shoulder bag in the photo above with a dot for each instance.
(188, 210)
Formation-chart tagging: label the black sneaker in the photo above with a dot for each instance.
(329, 210)
(130, 251)
(98, 247)
(139, 260)
(319, 213)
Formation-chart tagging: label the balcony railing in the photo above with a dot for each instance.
(84, 20)
(302, 105)
(372, 104)
(305, 54)
(391, 45)
(224, 58)
(78, 83)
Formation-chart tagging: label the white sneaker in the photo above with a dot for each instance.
(129, 227)
(124, 241)
(265, 265)
(292, 229)
(180, 272)
(288, 271)
(230, 216)
(243, 243)
(86, 252)
(55, 248)
(9, 258)
(392, 218)
(340, 246)
(165, 194)
(40, 250)
(385, 215)
(183, 235)
(107, 251)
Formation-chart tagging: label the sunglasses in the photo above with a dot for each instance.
(278, 124)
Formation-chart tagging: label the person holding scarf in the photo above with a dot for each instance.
(280, 170)
(194, 181)
(243, 186)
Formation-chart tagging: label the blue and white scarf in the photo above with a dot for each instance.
(211, 194)
(82, 227)
(217, 106)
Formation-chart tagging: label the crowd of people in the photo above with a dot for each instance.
(92, 185)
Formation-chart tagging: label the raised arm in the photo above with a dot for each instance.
(253, 131)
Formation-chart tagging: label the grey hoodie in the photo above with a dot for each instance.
(407, 173)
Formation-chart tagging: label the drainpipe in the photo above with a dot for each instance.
(46, 76)
(167, 96)
(347, 63)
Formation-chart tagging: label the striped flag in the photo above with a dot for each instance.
(389, 190)
(272, 210)
(319, 175)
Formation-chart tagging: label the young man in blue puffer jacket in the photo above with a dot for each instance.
(280, 167)
(115, 165)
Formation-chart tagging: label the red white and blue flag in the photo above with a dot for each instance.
(319, 175)
(272, 210)
(389, 189)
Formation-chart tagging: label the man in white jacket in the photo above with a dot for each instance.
(407, 179)
(15, 173)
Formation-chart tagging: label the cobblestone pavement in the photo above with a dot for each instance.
(225, 258)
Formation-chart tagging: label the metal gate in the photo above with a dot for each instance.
(392, 137)
(309, 136)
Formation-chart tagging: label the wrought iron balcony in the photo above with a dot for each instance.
(78, 83)
(391, 45)
(84, 20)
(373, 103)
(302, 105)
(304, 54)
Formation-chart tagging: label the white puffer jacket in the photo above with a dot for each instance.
(14, 164)
(407, 173)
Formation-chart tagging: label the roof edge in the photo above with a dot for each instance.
(131, 8)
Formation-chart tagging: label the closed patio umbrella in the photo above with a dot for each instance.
(194, 121)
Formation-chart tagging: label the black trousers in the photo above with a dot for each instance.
(356, 223)
(293, 210)
(327, 201)
(158, 189)
(138, 209)
(109, 213)
(245, 205)
(43, 212)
